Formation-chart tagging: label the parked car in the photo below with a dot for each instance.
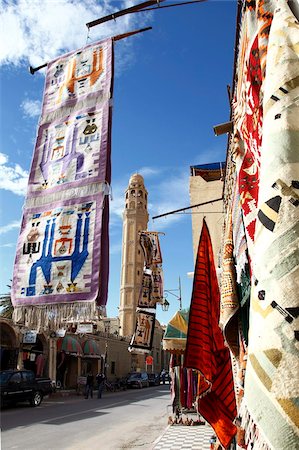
(21, 385)
(138, 379)
(153, 379)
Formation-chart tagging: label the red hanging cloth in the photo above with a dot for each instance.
(205, 349)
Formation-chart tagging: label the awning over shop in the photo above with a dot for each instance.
(91, 349)
(70, 345)
(175, 336)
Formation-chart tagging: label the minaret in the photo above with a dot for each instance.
(135, 219)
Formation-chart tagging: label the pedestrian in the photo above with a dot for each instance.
(89, 385)
(163, 376)
(100, 379)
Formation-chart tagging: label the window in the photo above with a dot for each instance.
(112, 367)
(15, 378)
(28, 376)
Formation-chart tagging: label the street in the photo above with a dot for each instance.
(122, 420)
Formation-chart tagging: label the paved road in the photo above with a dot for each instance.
(131, 419)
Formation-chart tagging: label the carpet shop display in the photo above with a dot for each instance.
(151, 293)
(62, 258)
(262, 312)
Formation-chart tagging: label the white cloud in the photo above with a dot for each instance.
(117, 204)
(38, 31)
(149, 171)
(170, 194)
(216, 153)
(9, 245)
(12, 177)
(31, 108)
(9, 227)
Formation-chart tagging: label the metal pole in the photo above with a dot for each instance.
(180, 298)
(188, 207)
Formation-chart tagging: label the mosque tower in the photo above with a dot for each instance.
(135, 219)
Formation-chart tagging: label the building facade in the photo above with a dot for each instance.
(206, 184)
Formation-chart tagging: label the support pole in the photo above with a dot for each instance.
(188, 207)
(118, 37)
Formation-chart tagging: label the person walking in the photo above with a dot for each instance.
(89, 385)
(100, 379)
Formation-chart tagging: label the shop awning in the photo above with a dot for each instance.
(175, 336)
(70, 345)
(91, 348)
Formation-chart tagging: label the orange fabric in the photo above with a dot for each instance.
(205, 348)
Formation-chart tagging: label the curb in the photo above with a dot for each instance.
(160, 437)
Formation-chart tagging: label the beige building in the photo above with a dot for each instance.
(206, 184)
(135, 219)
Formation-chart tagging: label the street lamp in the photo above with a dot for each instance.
(171, 291)
(165, 305)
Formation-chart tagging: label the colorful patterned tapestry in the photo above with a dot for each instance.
(149, 241)
(205, 349)
(142, 339)
(151, 291)
(270, 404)
(248, 113)
(62, 259)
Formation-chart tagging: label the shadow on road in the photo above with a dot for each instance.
(62, 410)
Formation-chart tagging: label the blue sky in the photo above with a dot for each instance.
(169, 91)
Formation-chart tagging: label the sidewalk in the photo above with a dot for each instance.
(179, 437)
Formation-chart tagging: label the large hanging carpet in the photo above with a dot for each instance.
(205, 349)
(270, 407)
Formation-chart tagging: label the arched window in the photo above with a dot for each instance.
(133, 192)
(140, 194)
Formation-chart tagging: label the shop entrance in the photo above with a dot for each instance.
(34, 357)
(8, 350)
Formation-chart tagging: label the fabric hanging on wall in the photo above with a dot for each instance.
(229, 304)
(205, 349)
(62, 258)
(271, 379)
(247, 107)
(142, 339)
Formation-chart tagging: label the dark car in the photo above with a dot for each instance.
(138, 379)
(153, 379)
(21, 385)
